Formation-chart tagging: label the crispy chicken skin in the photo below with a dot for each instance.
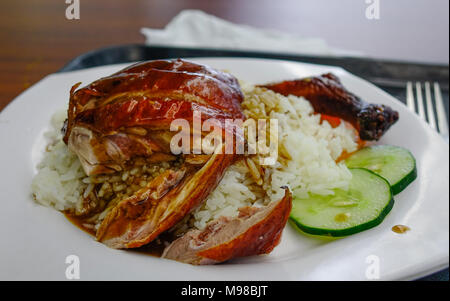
(255, 231)
(129, 113)
(328, 96)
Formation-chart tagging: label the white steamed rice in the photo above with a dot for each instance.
(314, 147)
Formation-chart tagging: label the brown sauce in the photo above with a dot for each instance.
(155, 248)
(400, 229)
(79, 222)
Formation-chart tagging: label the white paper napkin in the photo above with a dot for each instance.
(194, 28)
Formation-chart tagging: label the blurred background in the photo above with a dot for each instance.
(38, 39)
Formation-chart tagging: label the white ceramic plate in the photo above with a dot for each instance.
(36, 240)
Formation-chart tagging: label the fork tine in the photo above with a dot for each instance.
(441, 118)
(410, 97)
(421, 109)
(430, 111)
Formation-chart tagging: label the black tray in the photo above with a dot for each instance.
(390, 76)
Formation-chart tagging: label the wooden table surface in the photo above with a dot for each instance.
(37, 39)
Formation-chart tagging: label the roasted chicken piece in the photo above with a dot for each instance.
(129, 113)
(165, 201)
(255, 231)
(328, 96)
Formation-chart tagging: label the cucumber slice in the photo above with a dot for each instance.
(364, 206)
(395, 164)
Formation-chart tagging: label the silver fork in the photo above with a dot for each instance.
(439, 121)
